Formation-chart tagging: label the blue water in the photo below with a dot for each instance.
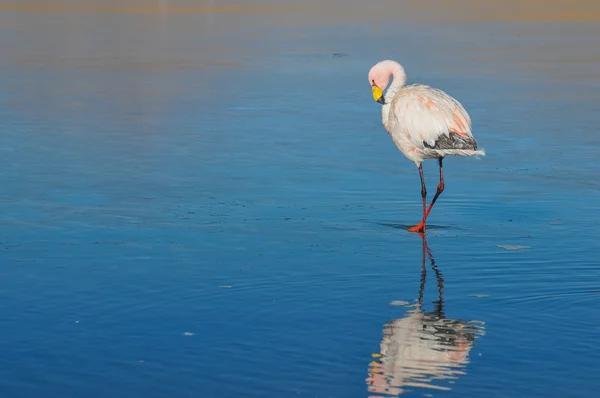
(223, 218)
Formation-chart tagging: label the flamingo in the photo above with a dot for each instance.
(424, 123)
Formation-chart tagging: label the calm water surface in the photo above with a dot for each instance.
(207, 205)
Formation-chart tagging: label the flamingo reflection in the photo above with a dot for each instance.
(422, 348)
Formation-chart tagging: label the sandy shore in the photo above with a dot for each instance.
(423, 10)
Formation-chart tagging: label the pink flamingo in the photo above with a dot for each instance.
(424, 122)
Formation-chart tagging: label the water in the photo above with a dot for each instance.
(204, 203)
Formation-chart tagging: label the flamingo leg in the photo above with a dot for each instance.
(421, 226)
(423, 188)
(440, 188)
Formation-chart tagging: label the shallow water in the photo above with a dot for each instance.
(205, 204)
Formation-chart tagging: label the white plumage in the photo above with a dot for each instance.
(419, 115)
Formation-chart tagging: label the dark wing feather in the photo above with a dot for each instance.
(453, 141)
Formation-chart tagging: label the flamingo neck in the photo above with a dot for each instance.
(398, 81)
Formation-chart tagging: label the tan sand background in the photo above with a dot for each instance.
(423, 10)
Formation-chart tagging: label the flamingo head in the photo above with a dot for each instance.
(379, 77)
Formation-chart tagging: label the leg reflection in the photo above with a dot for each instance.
(422, 349)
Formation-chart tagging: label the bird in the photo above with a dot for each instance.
(424, 123)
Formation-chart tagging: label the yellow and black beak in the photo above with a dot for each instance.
(378, 94)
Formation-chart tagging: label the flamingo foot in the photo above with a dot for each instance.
(418, 228)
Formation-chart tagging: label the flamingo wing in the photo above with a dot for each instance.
(430, 118)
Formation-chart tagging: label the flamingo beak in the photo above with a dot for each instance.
(378, 94)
